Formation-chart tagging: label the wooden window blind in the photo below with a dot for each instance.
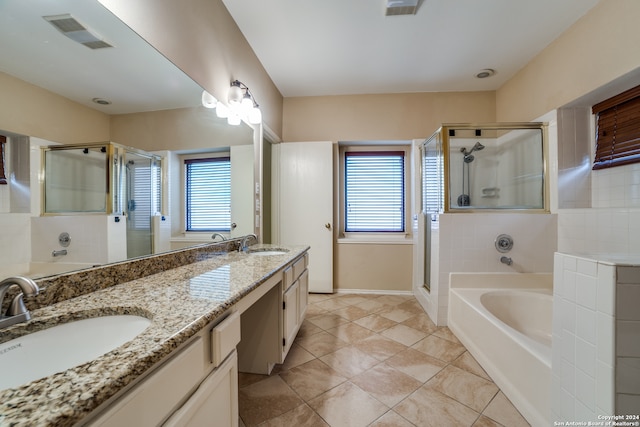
(618, 130)
(3, 177)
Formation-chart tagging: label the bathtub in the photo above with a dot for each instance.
(504, 320)
(36, 270)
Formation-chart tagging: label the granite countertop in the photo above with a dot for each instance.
(179, 302)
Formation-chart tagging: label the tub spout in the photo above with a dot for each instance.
(61, 252)
(506, 260)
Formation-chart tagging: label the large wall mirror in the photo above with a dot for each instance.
(79, 50)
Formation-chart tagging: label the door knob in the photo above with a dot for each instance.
(328, 226)
(233, 226)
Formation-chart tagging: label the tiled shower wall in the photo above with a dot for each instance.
(596, 350)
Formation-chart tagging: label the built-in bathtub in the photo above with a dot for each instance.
(504, 320)
(36, 270)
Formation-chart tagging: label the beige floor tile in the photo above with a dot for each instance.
(373, 305)
(314, 310)
(397, 314)
(265, 400)
(312, 379)
(330, 304)
(391, 419)
(412, 306)
(393, 299)
(313, 298)
(483, 421)
(321, 343)
(296, 356)
(352, 312)
(386, 384)
(302, 416)
(444, 332)
(422, 323)
(348, 406)
(350, 332)
(353, 299)
(468, 363)
(502, 410)
(403, 334)
(417, 364)
(245, 379)
(440, 348)
(375, 322)
(327, 321)
(307, 328)
(380, 347)
(465, 387)
(349, 361)
(427, 407)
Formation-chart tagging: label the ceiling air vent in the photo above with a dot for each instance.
(401, 7)
(77, 32)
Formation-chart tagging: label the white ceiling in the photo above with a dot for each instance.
(132, 75)
(334, 47)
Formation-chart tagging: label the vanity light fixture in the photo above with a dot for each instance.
(242, 105)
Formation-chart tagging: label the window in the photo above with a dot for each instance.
(208, 194)
(374, 191)
(3, 177)
(618, 130)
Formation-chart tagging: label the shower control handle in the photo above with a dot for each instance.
(504, 243)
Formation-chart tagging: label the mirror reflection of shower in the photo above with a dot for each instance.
(465, 199)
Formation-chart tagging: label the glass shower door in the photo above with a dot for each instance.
(141, 181)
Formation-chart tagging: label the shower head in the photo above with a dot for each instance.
(477, 147)
(468, 158)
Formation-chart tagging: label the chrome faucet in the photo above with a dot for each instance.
(59, 253)
(17, 312)
(243, 243)
(506, 260)
(214, 235)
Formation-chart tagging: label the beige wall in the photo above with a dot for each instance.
(379, 117)
(178, 129)
(29, 110)
(201, 38)
(602, 46)
(379, 267)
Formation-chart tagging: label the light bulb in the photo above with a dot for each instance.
(247, 104)
(222, 111)
(233, 119)
(235, 94)
(208, 100)
(255, 116)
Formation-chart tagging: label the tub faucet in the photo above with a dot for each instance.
(59, 253)
(243, 243)
(506, 260)
(214, 235)
(17, 312)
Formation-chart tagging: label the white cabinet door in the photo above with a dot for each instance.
(304, 213)
(291, 316)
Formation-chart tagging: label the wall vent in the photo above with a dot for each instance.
(401, 7)
(70, 27)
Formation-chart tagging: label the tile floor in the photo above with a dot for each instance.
(374, 360)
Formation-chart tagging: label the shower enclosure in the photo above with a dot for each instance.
(105, 178)
(468, 167)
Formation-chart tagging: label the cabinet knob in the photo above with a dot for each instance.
(328, 226)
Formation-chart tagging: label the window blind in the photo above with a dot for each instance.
(208, 194)
(618, 130)
(431, 194)
(374, 191)
(3, 177)
(140, 203)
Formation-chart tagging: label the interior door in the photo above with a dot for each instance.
(305, 209)
(241, 190)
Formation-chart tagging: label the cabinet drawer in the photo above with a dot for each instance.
(299, 266)
(151, 401)
(224, 338)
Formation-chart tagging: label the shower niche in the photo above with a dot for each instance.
(467, 167)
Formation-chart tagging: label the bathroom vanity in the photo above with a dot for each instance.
(213, 311)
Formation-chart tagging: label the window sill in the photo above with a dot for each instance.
(372, 239)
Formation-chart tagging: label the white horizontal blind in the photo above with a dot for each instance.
(208, 194)
(140, 202)
(431, 194)
(374, 191)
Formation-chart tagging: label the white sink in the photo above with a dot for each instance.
(64, 346)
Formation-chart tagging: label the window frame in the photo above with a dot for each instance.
(183, 165)
(405, 148)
